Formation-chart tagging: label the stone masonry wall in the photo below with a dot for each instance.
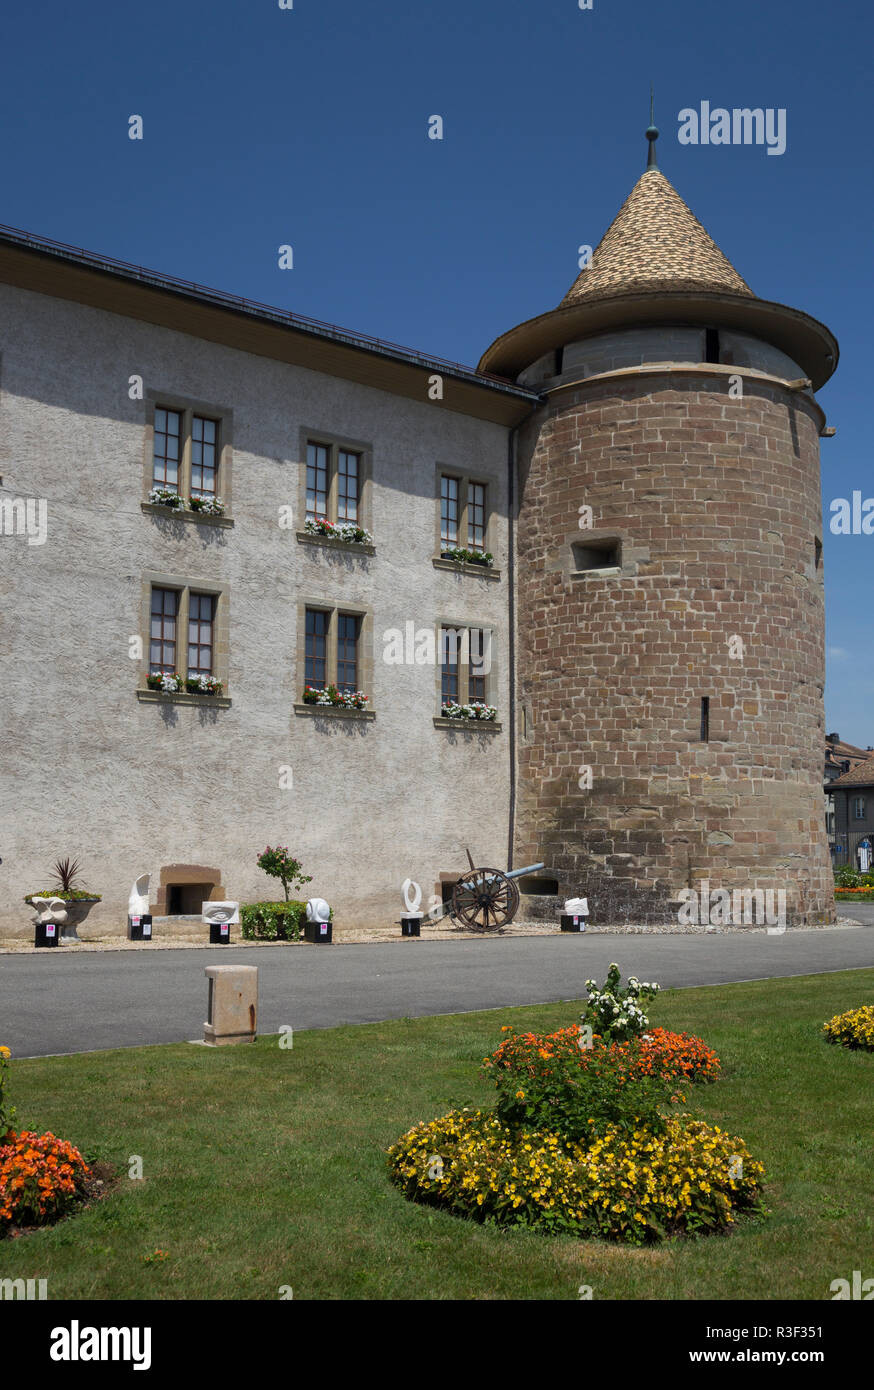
(716, 503)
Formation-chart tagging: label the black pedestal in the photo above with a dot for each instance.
(572, 923)
(140, 928)
(411, 926)
(219, 933)
(46, 934)
(318, 933)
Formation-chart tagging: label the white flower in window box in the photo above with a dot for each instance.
(355, 699)
(165, 681)
(338, 531)
(203, 685)
(165, 497)
(476, 709)
(210, 506)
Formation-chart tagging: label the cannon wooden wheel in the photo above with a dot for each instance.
(485, 899)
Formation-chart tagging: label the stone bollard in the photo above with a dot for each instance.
(233, 1004)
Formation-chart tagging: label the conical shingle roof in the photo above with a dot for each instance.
(654, 244)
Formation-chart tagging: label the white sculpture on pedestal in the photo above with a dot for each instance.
(49, 910)
(138, 902)
(318, 910)
(221, 912)
(577, 907)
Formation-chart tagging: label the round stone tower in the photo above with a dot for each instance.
(670, 649)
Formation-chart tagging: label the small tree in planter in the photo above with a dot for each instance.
(278, 863)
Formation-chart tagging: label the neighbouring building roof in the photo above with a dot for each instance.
(655, 243)
(860, 776)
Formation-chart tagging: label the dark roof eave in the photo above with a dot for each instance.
(519, 400)
(807, 341)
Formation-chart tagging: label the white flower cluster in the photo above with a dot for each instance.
(462, 556)
(210, 506)
(340, 531)
(355, 699)
(477, 709)
(615, 1012)
(165, 497)
(207, 685)
(170, 683)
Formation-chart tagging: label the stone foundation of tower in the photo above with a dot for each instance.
(700, 580)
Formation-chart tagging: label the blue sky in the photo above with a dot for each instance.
(309, 127)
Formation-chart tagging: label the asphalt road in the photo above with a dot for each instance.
(55, 1002)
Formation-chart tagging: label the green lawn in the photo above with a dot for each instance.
(264, 1167)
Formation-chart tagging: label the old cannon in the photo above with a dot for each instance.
(487, 899)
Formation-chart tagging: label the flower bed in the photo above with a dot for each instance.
(631, 1188)
(338, 531)
(853, 1029)
(477, 709)
(679, 1056)
(585, 1136)
(332, 696)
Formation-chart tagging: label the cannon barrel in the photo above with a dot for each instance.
(518, 873)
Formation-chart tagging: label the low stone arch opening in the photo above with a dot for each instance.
(184, 888)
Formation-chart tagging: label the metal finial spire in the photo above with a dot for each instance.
(652, 134)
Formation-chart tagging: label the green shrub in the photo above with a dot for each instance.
(273, 921)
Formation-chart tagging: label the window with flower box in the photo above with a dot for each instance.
(334, 656)
(463, 522)
(466, 672)
(187, 645)
(188, 463)
(335, 493)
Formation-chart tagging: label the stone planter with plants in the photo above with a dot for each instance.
(77, 901)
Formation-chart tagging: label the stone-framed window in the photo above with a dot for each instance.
(186, 622)
(162, 630)
(188, 447)
(201, 629)
(463, 518)
(335, 483)
(465, 663)
(334, 647)
(858, 808)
